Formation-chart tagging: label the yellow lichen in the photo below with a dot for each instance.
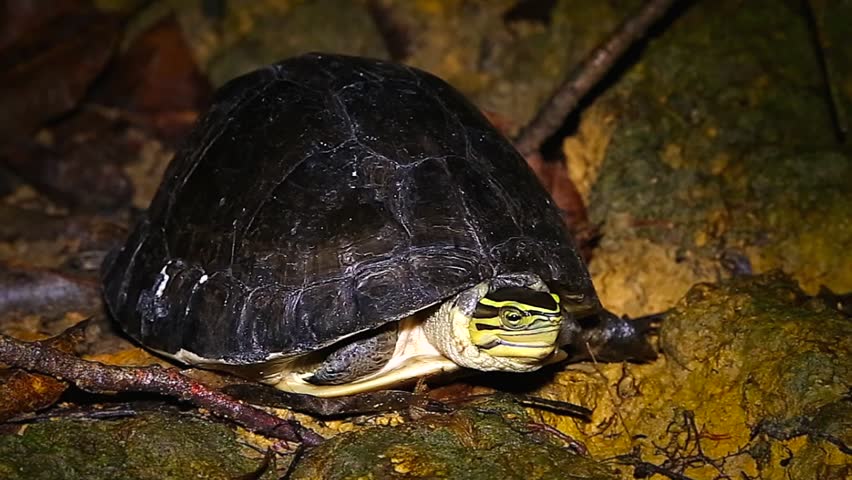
(672, 155)
(408, 461)
(585, 151)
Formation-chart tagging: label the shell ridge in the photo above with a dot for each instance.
(467, 217)
(269, 195)
(499, 190)
(144, 226)
(469, 156)
(399, 208)
(219, 129)
(272, 188)
(343, 111)
(193, 291)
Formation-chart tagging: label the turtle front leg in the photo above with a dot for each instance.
(356, 359)
(607, 337)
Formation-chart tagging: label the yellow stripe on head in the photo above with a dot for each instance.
(517, 322)
(523, 305)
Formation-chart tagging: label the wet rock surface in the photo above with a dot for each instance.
(751, 369)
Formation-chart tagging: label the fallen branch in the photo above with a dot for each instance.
(554, 111)
(98, 378)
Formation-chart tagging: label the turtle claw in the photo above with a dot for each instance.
(648, 325)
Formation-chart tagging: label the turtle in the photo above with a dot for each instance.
(338, 224)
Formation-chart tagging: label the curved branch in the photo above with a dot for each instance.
(100, 378)
(554, 111)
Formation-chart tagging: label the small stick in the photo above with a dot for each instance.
(99, 378)
(827, 69)
(557, 406)
(554, 111)
(608, 390)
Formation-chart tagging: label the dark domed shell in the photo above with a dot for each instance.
(323, 196)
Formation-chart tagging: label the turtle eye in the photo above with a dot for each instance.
(511, 317)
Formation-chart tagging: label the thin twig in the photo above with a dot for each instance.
(643, 469)
(827, 69)
(557, 406)
(99, 378)
(554, 111)
(611, 395)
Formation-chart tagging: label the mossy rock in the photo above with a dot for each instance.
(754, 380)
(150, 446)
(491, 441)
(720, 141)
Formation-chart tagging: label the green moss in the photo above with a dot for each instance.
(770, 353)
(475, 443)
(755, 377)
(155, 446)
(726, 119)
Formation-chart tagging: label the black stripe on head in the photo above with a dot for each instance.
(524, 295)
(485, 311)
(483, 326)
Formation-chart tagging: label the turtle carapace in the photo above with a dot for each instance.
(339, 224)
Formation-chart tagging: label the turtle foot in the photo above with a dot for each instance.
(607, 337)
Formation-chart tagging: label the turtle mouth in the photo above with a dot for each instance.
(531, 345)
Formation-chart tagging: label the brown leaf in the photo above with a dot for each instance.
(551, 173)
(556, 181)
(46, 72)
(79, 165)
(396, 33)
(133, 356)
(80, 179)
(554, 176)
(501, 122)
(18, 17)
(70, 235)
(457, 391)
(158, 80)
(22, 392)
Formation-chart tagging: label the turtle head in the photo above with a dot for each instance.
(517, 322)
(512, 323)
